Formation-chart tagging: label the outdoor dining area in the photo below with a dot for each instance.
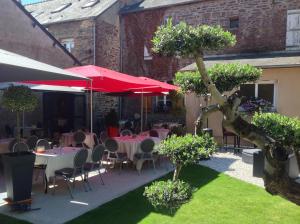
(35, 166)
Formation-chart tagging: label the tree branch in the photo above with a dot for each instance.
(206, 111)
(216, 95)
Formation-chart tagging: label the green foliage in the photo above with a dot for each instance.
(19, 98)
(168, 194)
(187, 149)
(226, 77)
(185, 40)
(283, 129)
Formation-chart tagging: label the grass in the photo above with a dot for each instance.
(218, 198)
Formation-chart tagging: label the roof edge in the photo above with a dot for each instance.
(21, 7)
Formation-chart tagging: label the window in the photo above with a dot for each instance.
(234, 23)
(147, 55)
(62, 7)
(293, 29)
(91, 3)
(68, 44)
(264, 90)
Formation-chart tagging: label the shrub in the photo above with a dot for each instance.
(168, 194)
(282, 129)
(188, 149)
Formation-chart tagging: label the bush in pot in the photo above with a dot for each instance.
(182, 150)
(18, 166)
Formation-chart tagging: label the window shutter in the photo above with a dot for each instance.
(293, 29)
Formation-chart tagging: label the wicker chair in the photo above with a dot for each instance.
(20, 147)
(70, 173)
(11, 144)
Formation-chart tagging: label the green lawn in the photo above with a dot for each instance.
(218, 199)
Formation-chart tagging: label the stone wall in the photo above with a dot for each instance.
(262, 27)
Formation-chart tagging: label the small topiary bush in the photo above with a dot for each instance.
(168, 194)
(282, 129)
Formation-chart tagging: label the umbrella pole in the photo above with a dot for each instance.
(91, 95)
(142, 108)
(146, 112)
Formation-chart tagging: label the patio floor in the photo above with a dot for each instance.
(232, 165)
(59, 208)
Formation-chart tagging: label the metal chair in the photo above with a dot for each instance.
(153, 133)
(31, 142)
(70, 173)
(79, 138)
(96, 140)
(43, 143)
(147, 147)
(20, 147)
(112, 147)
(103, 136)
(96, 163)
(11, 144)
(126, 132)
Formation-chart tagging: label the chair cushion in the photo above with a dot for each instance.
(67, 172)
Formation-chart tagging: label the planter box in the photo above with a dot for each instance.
(18, 172)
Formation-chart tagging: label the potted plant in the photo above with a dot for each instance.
(182, 150)
(18, 166)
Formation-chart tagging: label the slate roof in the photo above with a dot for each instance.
(44, 11)
(152, 4)
(284, 59)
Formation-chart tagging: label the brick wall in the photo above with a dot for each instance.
(262, 27)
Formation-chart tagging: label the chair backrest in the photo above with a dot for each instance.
(79, 137)
(103, 136)
(31, 142)
(153, 133)
(147, 145)
(111, 145)
(96, 140)
(11, 144)
(20, 147)
(97, 153)
(126, 132)
(80, 158)
(43, 143)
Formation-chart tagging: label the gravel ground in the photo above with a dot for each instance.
(232, 165)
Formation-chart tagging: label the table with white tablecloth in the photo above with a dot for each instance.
(68, 139)
(162, 133)
(56, 159)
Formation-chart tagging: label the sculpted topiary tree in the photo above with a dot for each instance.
(19, 99)
(186, 41)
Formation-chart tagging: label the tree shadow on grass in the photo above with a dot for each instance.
(134, 207)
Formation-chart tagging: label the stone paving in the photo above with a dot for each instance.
(232, 165)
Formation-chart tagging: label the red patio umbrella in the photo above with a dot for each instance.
(103, 80)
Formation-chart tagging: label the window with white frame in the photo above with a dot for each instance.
(68, 44)
(266, 90)
(293, 29)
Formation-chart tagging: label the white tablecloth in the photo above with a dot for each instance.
(162, 133)
(68, 139)
(56, 159)
(170, 124)
(132, 145)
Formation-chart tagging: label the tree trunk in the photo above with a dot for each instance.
(177, 171)
(18, 135)
(276, 177)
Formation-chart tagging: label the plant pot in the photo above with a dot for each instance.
(18, 172)
(280, 154)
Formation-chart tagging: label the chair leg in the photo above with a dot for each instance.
(86, 179)
(153, 165)
(100, 175)
(54, 180)
(84, 182)
(69, 187)
(73, 183)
